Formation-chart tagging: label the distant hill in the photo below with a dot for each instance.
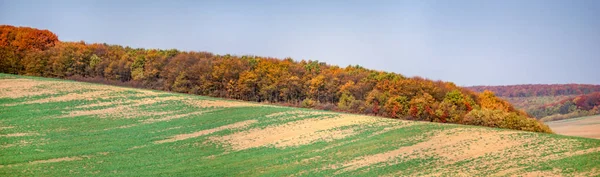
(578, 106)
(538, 90)
(550, 102)
(309, 84)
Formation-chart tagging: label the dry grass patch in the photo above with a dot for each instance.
(539, 173)
(177, 116)
(593, 172)
(18, 83)
(295, 133)
(167, 129)
(126, 109)
(315, 158)
(295, 113)
(149, 121)
(389, 126)
(535, 153)
(324, 135)
(7, 127)
(219, 104)
(56, 160)
(507, 154)
(100, 104)
(72, 97)
(470, 145)
(553, 172)
(19, 134)
(531, 150)
(453, 145)
(136, 147)
(114, 112)
(396, 124)
(290, 115)
(17, 88)
(149, 101)
(206, 132)
(569, 154)
(123, 111)
(20, 143)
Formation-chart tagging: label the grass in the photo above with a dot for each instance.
(96, 130)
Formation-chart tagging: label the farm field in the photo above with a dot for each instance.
(584, 126)
(51, 127)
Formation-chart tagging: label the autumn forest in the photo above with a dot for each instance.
(305, 83)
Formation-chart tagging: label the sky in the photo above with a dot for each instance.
(468, 42)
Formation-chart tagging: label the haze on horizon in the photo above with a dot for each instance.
(465, 42)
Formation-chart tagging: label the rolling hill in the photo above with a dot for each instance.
(52, 127)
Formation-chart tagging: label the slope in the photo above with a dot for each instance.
(53, 127)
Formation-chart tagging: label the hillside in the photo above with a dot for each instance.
(578, 106)
(308, 84)
(53, 127)
(588, 126)
(550, 102)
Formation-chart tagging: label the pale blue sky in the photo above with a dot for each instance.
(479, 42)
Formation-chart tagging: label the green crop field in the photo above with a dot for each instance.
(51, 127)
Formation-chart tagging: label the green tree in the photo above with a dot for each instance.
(346, 101)
(137, 68)
(182, 83)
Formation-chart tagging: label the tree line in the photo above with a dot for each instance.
(305, 83)
(537, 90)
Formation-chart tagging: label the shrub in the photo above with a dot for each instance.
(308, 103)
(501, 119)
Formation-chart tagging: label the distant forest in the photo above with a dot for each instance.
(550, 102)
(578, 106)
(538, 89)
(309, 84)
